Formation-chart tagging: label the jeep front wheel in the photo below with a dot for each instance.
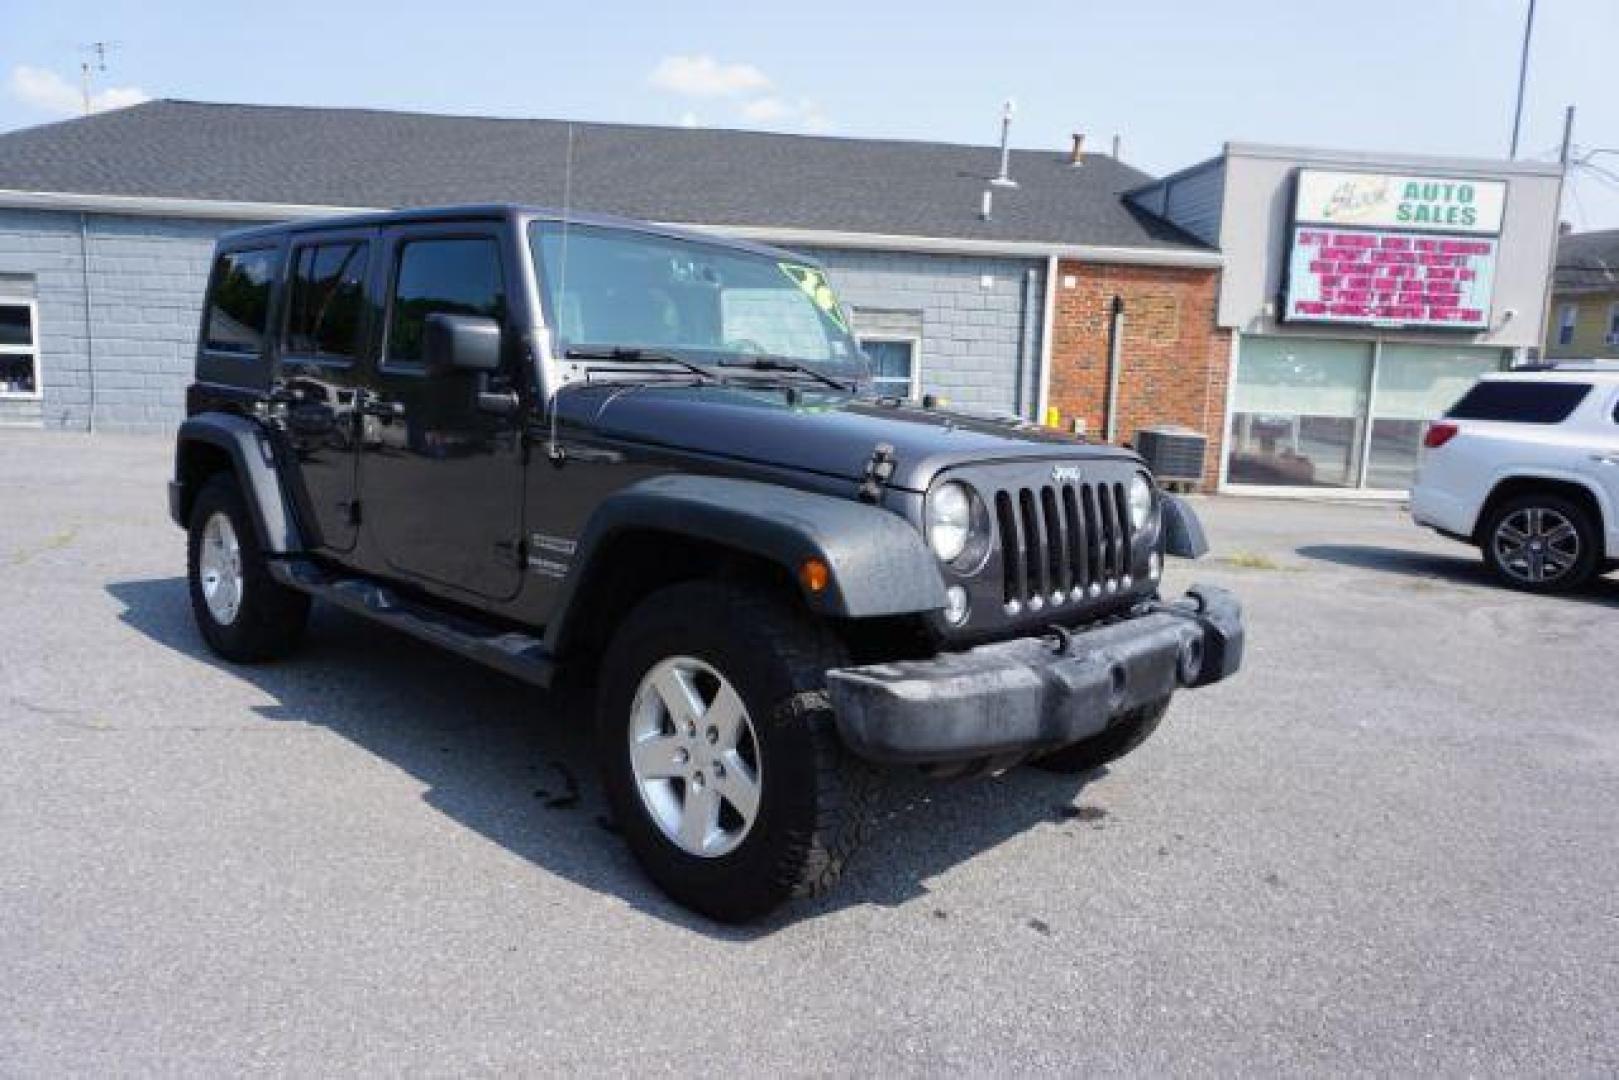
(244, 614)
(719, 751)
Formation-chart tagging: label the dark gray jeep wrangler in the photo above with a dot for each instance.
(654, 462)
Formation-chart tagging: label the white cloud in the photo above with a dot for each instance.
(689, 119)
(705, 77)
(49, 92)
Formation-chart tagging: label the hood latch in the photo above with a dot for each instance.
(879, 467)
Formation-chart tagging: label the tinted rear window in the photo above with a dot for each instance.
(1520, 402)
(240, 303)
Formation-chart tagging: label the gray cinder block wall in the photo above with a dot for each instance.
(979, 344)
(147, 275)
(146, 278)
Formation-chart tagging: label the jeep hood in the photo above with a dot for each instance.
(824, 432)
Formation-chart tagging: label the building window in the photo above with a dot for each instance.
(895, 371)
(1315, 412)
(1566, 316)
(19, 348)
(1613, 324)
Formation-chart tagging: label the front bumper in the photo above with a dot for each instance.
(1036, 693)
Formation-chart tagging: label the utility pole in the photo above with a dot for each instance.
(1523, 77)
(1543, 331)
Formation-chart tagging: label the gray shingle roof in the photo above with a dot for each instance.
(360, 157)
(1588, 260)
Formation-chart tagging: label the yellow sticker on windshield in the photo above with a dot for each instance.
(813, 283)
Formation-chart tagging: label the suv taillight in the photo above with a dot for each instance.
(1438, 435)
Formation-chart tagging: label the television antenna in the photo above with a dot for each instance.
(94, 62)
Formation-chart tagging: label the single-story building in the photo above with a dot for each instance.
(1259, 299)
(1584, 321)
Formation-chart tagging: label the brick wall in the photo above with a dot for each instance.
(147, 277)
(1174, 360)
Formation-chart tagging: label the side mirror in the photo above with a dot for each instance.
(460, 343)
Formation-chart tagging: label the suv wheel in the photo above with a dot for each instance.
(720, 754)
(244, 614)
(1541, 543)
(1127, 733)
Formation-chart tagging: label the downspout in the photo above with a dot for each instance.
(1115, 343)
(1047, 317)
(89, 332)
(1026, 346)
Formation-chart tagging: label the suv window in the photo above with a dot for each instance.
(1520, 402)
(459, 276)
(327, 301)
(239, 301)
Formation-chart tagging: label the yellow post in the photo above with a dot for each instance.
(1053, 417)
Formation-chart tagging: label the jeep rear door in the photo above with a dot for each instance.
(326, 335)
(441, 480)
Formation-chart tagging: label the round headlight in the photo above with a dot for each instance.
(1140, 500)
(949, 520)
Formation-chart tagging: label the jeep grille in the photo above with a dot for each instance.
(1062, 542)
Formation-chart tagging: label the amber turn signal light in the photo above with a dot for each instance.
(813, 575)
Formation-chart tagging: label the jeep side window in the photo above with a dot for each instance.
(327, 301)
(239, 302)
(455, 276)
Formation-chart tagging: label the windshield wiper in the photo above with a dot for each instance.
(633, 355)
(782, 363)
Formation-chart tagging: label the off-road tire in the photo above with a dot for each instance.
(1585, 566)
(1127, 733)
(270, 618)
(816, 800)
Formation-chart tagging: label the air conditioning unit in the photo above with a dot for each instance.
(1174, 454)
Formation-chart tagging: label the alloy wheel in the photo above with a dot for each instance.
(219, 568)
(1536, 545)
(695, 756)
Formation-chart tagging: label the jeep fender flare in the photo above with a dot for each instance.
(253, 460)
(877, 562)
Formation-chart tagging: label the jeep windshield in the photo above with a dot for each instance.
(614, 292)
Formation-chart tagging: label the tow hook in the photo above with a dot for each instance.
(1064, 639)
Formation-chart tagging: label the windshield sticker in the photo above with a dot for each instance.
(814, 285)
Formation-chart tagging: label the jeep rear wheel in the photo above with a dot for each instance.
(1125, 734)
(719, 751)
(1541, 543)
(244, 614)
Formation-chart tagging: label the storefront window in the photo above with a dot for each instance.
(1299, 412)
(1415, 383)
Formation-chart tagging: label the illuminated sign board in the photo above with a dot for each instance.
(1393, 250)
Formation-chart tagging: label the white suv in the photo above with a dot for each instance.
(1526, 467)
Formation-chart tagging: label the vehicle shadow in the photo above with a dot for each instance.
(1463, 568)
(515, 765)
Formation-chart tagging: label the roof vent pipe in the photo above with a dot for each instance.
(1004, 178)
(986, 204)
(1118, 144)
(1076, 156)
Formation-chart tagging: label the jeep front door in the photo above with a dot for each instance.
(441, 473)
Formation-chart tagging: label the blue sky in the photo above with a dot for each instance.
(1174, 79)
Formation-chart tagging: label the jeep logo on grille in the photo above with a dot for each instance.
(1065, 474)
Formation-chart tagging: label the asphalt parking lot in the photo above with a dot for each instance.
(1388, 847)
